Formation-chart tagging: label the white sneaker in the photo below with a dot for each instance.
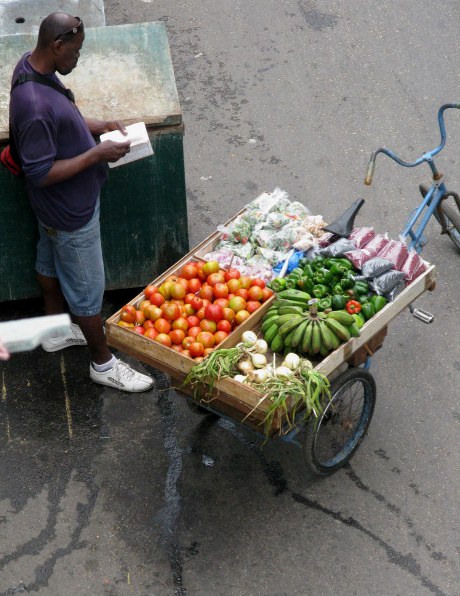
(74, 338)
(123, 377)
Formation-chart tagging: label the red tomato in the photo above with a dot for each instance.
(187, 341)
(178, 290)
(223, 302)
(153, 312)
(233, 285)
(186, 353)
(266, 294)
(139, 318)
(237, 303)
(128, 313)
(193, 331)
(257, 281)
(139, 329)
(207, 325)
(224, 325)
(207, 351)
(241, 316)
(215, 278)
(143, 305)
(187, 310)
(252, 305)
(255, 293)
(177, 336)
(193, 321)
(151, 333)
(189, 298)
(164, 339)
(231, 274)
(200, 313)
(171, 311)
(162, 325)
(177, 348)
(243, 293)
(206, 338)
(228, 315)
(213, 312)
(196, 349)
(206, 292)
(196, 303)
(220, 290)
(189, 271)
(149, 290)
(201, 274)
(194, 285)
(148, 324)
(157, 299)
(165, 289)
(180, 323)
(220, 336)
(210, 267)
(245, 282)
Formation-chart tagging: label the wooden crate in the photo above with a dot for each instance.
(231, 398)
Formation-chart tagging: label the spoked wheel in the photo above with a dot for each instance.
(448, 215)
(332, 439)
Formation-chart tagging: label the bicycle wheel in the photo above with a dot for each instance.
(449, 213)
(333, 438)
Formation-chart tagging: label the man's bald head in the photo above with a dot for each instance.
(57, 25)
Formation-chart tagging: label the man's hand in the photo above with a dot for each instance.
(4, 354)
(112, 151)
(98, 127)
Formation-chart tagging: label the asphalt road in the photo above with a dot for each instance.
(103, 493)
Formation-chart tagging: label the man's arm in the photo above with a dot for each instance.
(62, 169)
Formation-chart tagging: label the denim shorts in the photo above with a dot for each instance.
(75, 258)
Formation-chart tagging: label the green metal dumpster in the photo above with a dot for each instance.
(125, 73)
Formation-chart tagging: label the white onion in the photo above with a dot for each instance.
(249, 338)
(283, 371)
(306, 364)
(259, 360)
(239, 378)
(292, 361)
(245, 366)
(260, 347)
(259, 375)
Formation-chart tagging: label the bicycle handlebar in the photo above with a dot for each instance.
(425, 158)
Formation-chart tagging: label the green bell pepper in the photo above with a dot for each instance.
(338, 302)
(307, 270)
(368, 310)
(359, 319)
(320, 291)
(306, 284)
(324, 303)
(317, 263)
(361, 287)
(278, 284)
(378, 302)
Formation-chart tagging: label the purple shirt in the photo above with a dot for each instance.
(46, 127)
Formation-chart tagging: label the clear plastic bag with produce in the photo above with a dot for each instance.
(271, 256)
(296, 211)
(394, 251)
(305, 242)
(315, 224)
(361, 236)
(276, 220)
(267, 202)
(238, 230)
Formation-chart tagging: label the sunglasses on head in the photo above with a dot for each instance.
(74, 30)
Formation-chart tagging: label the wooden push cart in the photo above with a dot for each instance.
(330, 440)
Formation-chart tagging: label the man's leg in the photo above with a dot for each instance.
(94, 334)
(52, 294)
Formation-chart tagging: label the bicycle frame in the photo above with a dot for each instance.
(420, 216)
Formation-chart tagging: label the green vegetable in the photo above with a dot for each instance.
(338, 302)
(324, 303)
(378, 302)
(368, 310)
(220, 363)
(361, 287)
(306, 284)
(277, 284)
(307, 270)
(359, 319)
(320, 290)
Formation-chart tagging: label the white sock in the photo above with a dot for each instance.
(105, 366)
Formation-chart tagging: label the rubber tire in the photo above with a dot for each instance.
(350, 379)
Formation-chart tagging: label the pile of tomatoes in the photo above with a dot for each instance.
(194, 311)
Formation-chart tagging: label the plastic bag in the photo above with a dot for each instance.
(337, 248)
(238, 230)
(270, 201)
(375, 266)
(399, 287)
(326, 239)
(361, 236)
(395, 251)
(293, 262)
(305, 242)
(413, 266)
(358, 257)
(382, 284)
(296, 211)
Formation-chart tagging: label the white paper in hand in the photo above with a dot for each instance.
(140, 143)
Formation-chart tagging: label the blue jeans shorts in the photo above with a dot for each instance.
(75, 258)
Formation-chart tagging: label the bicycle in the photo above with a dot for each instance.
(434, 199)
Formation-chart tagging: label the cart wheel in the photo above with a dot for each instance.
(332, 439)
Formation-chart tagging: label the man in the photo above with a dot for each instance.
(64, 172)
